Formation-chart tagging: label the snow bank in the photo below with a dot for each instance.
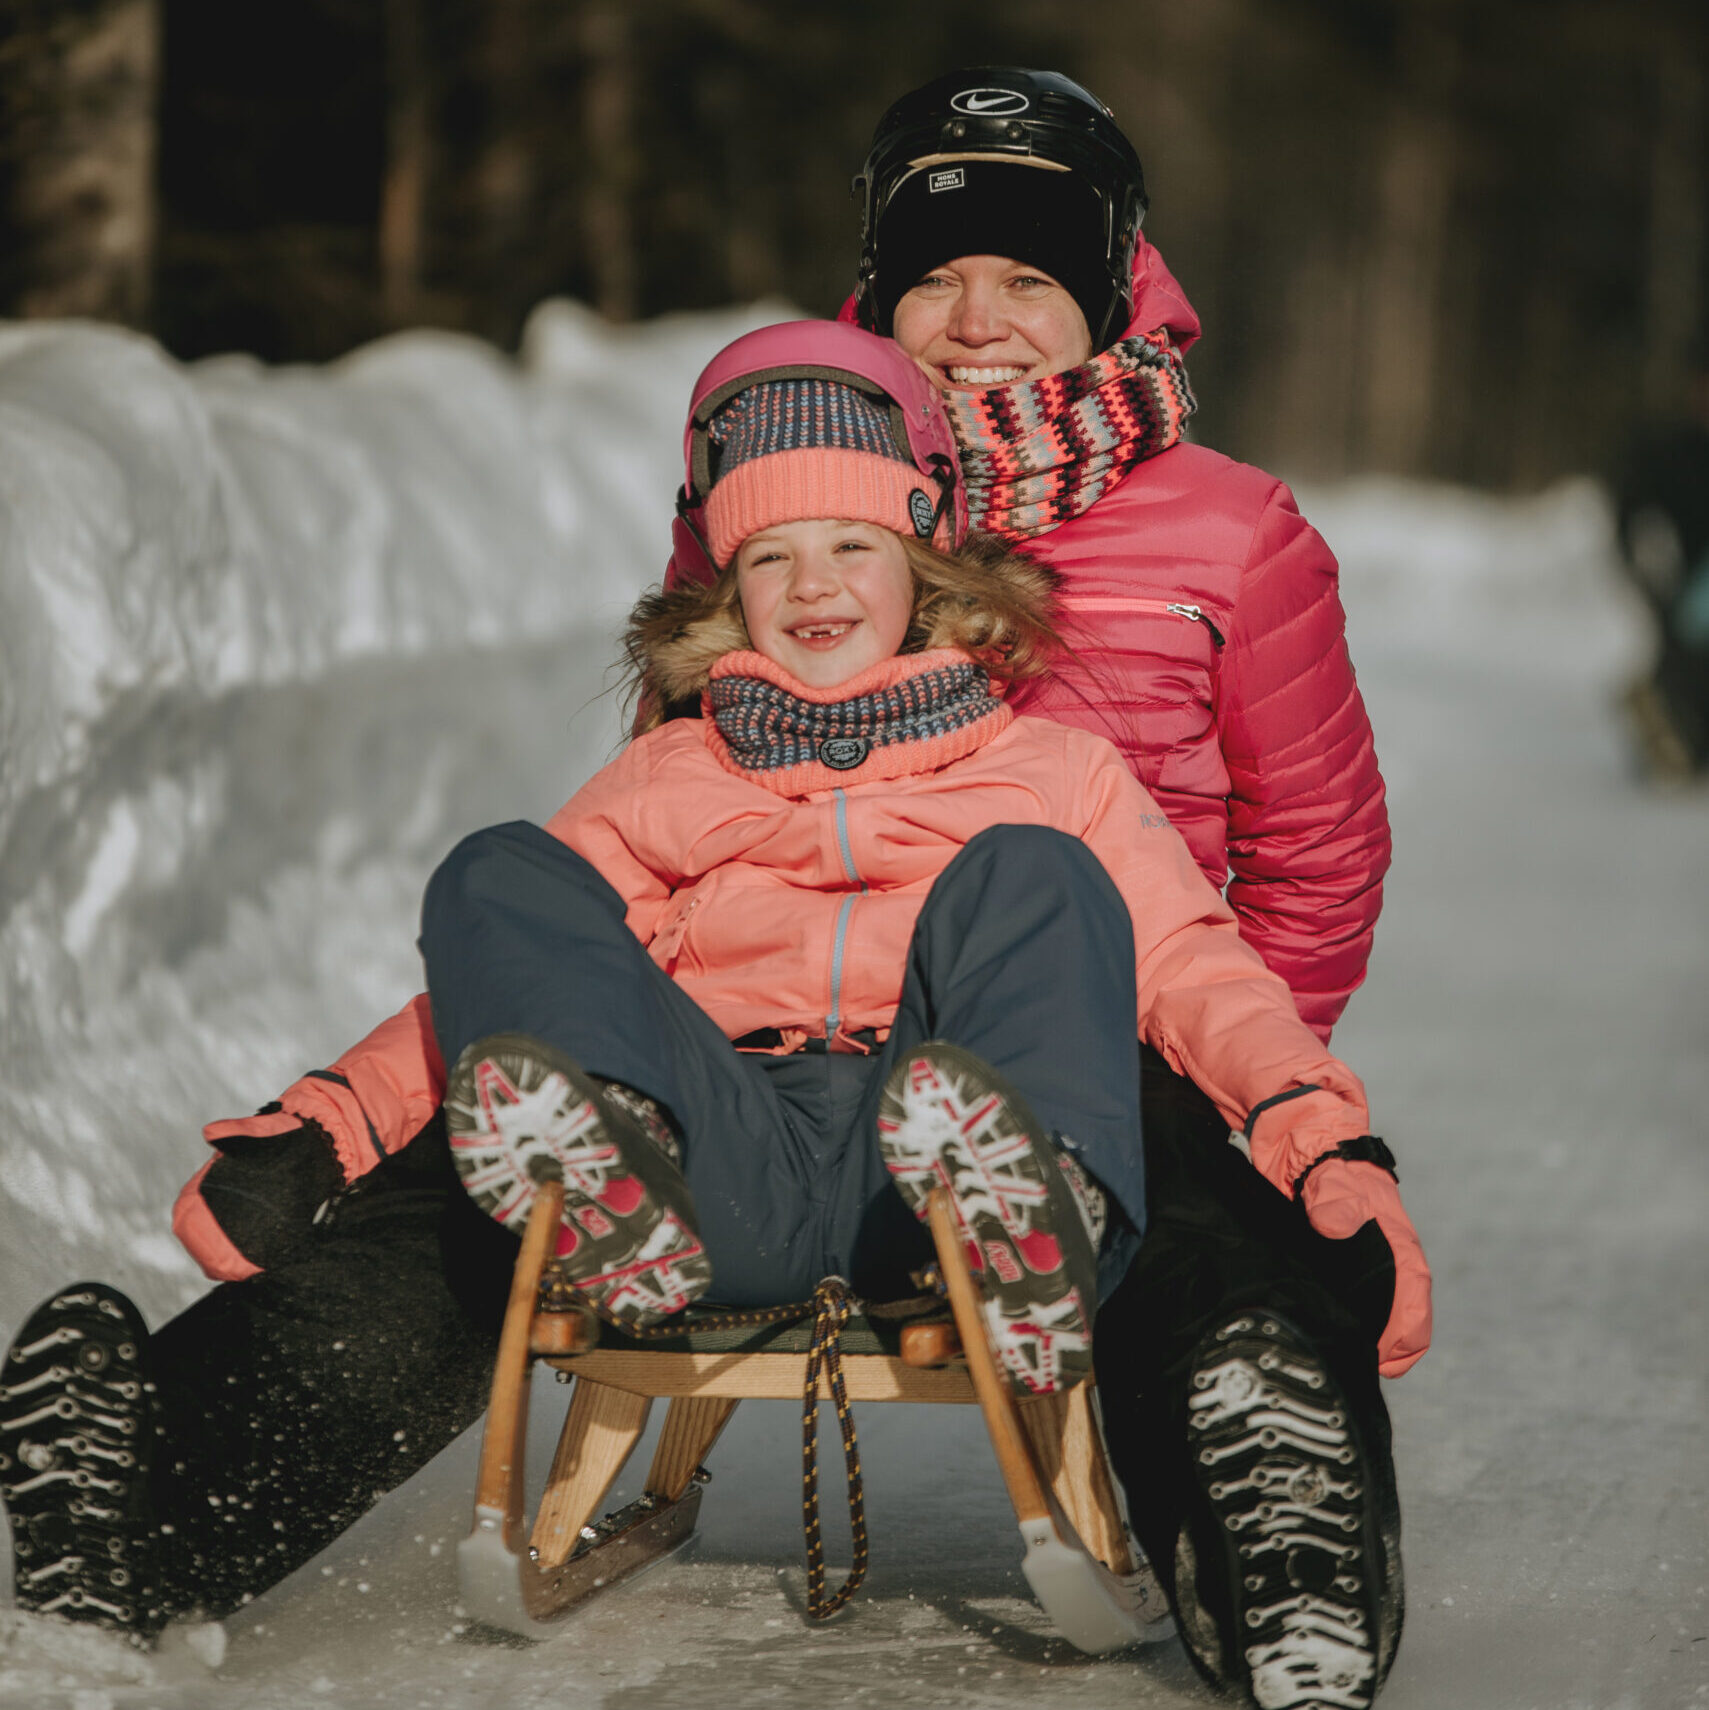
(269, 641)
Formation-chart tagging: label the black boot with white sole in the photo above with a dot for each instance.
(1287, 1576)
(77, 1441)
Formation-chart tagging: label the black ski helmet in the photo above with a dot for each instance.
(988, 112)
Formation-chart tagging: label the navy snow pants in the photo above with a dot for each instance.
(1022, 954)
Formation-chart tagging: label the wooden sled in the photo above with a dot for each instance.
(1080, 1559)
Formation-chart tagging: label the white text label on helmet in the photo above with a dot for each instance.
(954, 178)
(990, 103)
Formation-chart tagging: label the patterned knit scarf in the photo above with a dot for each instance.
(905, 715)
(1039, 452)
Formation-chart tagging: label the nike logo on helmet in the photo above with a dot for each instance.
(1001, 101)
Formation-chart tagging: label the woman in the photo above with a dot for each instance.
(1001, 247)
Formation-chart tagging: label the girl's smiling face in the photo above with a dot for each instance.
(825, 600)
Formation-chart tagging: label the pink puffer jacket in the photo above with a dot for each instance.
(1205, 614)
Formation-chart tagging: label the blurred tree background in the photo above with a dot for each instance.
(1456, 238)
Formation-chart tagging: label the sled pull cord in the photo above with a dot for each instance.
(831, 1307)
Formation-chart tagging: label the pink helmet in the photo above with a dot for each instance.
(816, 350)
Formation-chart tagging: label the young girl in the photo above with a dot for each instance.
(856, 853)
(853, 929)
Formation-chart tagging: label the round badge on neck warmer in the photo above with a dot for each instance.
(844, 753)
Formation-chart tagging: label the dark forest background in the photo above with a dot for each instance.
(1459, 238)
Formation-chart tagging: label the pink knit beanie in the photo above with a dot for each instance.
(791, 450)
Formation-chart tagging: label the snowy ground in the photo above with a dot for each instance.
(270, 640)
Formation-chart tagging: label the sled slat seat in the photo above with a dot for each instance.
(888, 1336)
(764, 1377)
(884, 1358)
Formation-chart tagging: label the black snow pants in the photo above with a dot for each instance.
(1220, 1239)
(292, 1401)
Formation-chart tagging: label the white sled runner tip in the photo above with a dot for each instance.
(1089, 1606)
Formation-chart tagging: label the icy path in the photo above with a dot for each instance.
(1537, 1032)
(214, 814)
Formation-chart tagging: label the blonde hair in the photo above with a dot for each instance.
(985, 598)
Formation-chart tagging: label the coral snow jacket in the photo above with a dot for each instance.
(788, 900)
(1205, 614)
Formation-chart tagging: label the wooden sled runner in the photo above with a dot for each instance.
(1080, 1560)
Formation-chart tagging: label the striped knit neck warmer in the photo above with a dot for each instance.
(909, 714)
(1039, 452)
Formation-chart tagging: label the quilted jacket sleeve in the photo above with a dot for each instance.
(1308, 832)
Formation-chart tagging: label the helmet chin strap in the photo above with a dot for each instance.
(1115, 322)
(687, 540)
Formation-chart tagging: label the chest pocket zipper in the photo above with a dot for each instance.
(1198, 615)
(1114, 603)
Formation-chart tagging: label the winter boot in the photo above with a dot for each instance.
(1024, 1216)
(77, 1442)
(1287, 1574)
(520, 1113)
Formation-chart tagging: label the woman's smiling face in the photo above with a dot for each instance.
(824, 599)
(987, 320)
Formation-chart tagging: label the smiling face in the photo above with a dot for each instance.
(825, 600)
(986, 320)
